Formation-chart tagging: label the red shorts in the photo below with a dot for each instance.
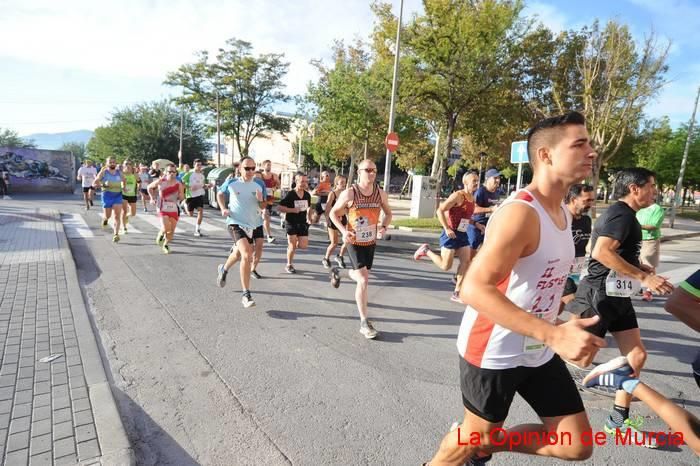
(174, 215)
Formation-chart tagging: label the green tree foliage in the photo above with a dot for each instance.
(10, 138)
(245, 86)
(79, 149)
(149, 131)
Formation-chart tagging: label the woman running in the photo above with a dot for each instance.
(322, 190)
(131, 182)
(111, 180)
(454, 214)
(333, 233)
(171, 193)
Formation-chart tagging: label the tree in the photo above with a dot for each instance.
(79, 149)
(245, 86)
(149, 131)
(610, 82)
(10, 138)
(462, 62)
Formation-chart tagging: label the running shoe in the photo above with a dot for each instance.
(87, 207)
(125, 230)
(91, 204)
(247, 300)
(221, 276)
(636, 435)
(454, 279)
(104, 222)
(160, 238)
(115, 238)
(340, 261)
(421, 252)
(326, 263)
(255, 274)
(145, 209)
(335, 277)
(368, 330)
(166, 249)
(609, 374)
(126, 219)
(197, 233)
(290, 269)
(270, 239)
(455, 297)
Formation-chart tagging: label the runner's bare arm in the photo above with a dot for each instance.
(605, 252)
(484, 210)
(386, 208)
(329, 204)
(98, 178)
(340, 208)
(181, 192)
(152, 189)
(445, 206)
(506, 242)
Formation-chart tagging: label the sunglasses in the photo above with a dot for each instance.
(172, 172)
(248, 169)
(370, 170)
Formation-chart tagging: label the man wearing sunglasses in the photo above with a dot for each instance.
(244, 223)
(362, 202)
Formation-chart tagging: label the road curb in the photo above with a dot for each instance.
(114, 443)
(665, 239)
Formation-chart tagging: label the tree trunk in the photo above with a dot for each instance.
(436, 156)
(351, 168)
(451, 123)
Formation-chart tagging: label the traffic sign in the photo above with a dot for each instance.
(391, 142)
(518, 152)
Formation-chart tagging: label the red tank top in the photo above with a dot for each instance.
(269, 182)
(461, 211)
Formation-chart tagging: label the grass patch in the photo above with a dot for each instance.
(427, 223)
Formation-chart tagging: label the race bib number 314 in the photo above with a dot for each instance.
(621, 286)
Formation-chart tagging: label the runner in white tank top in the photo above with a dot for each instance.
(508, 341)
(536, 283)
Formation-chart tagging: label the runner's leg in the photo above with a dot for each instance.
(630, 344)
(292, 241)
(361, 277)
(117, 209)
(246, 251)
(464, 261)
(258, 252)
(333, 238)
(444, 260)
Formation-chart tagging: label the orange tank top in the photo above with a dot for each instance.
(363, 216)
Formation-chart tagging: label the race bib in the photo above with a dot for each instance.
(302, 205)
(621, 286)
(463, 224)
(168, 206)
(323, 206)
(365, 234)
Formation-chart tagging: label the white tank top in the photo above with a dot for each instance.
(536, 283)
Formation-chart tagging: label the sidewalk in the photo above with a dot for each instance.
(56, 405)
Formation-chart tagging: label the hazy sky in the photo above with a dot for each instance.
(66, 65)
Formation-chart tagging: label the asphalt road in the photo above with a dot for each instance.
(200, 380)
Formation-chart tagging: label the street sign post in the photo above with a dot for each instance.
(391, 142)
(518, 154)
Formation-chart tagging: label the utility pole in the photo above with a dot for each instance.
(679, 185)
(218, 133)
(392, 108)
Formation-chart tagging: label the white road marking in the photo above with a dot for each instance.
(76, 226)
(207, 228)
(130, 227)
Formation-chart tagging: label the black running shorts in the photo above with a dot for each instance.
(361, 256)
(237, 233)
(570, 287)
(86, 189)
(196, 202)
(129, 199)
(616, 314)
(548, 389)
(301, 229)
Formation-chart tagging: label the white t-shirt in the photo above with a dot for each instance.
(88, 175)
(196, 184)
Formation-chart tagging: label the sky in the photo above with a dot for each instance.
(67, 65)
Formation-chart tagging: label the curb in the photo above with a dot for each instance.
(114, 443)
(665, 239)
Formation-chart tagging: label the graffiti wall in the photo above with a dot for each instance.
(38, 170)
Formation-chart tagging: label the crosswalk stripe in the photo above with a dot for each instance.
(131, 228)
(205, 227)
(75, 226)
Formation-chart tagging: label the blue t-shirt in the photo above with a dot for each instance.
(243, 205)
(484, 198)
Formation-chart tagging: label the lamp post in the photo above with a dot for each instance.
(392, 107)
(482, 156)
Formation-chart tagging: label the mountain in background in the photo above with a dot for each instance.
(53, 141)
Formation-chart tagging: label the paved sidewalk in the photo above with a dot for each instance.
(56, 406)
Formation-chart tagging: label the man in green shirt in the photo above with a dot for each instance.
(650, 218)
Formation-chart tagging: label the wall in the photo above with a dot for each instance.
(38, 170)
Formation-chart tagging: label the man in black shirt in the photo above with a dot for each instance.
(615, 274)
(579, 201)
(295, 206)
